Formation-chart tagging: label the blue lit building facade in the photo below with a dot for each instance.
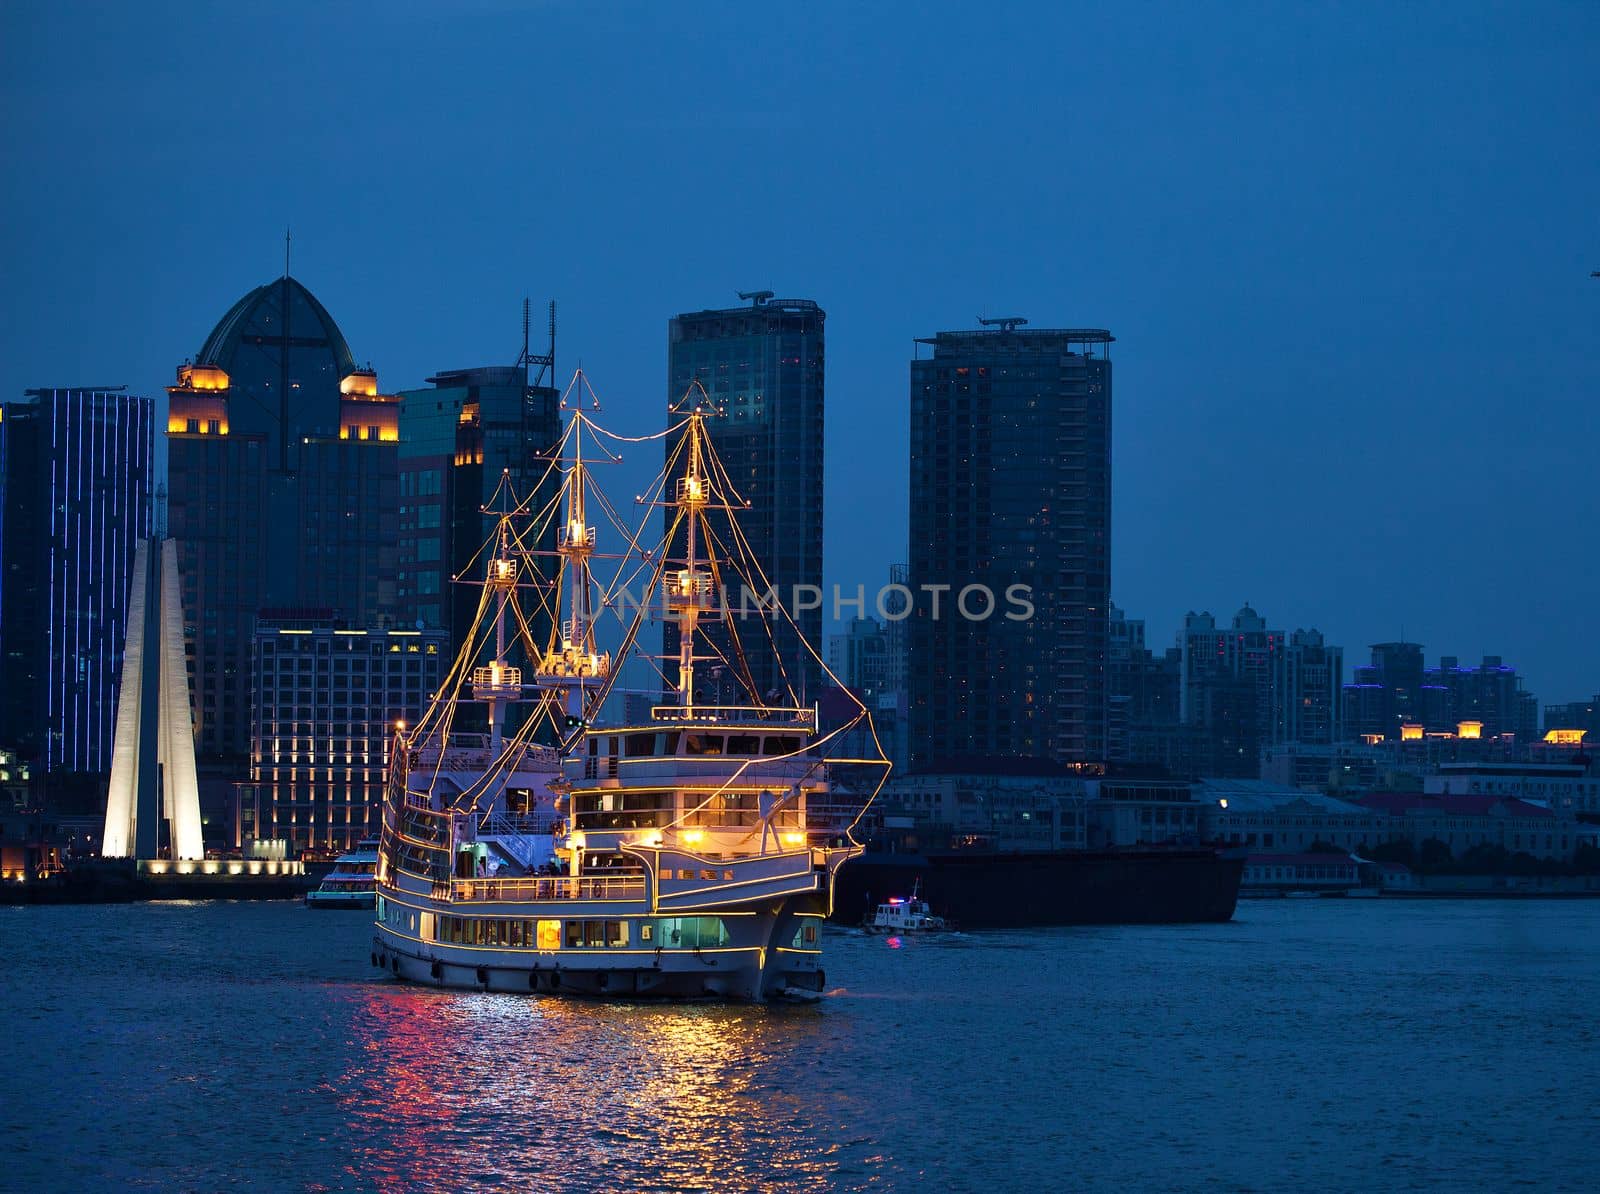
(77, 468)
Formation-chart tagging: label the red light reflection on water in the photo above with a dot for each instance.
(465, 1089)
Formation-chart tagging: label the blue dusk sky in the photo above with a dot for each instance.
(1345, 249)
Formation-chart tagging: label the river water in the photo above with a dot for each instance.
(1328, 1044)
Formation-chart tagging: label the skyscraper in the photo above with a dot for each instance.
(457, 439)
(1142, 687)
(282, 460)
(1491, 693)
(74, 500)
(1311, 693)
(1386, 693)
(1011, 486)
(762, 368)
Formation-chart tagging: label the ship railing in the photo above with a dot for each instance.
(832, 818)
(517, 824)
(752, 770)
(473, 758)
(624, 885)
(765, 715)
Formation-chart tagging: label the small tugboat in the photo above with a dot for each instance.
(907, 916)
(353, 882)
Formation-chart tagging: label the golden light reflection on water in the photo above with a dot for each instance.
(462, 1090)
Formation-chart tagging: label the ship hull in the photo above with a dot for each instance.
(977, 889)
(757, 961)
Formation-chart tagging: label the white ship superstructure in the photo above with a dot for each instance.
(671, 855)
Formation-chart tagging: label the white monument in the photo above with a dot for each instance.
(152, 754)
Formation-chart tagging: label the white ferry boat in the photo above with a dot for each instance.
(682, 860)
(906, 916)
(353, 882)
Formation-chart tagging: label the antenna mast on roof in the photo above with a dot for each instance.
(545, 361)
(1006, 323)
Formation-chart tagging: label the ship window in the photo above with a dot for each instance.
(616, 932)
(640, 745)
(646, 931)
(744, 744)
(594, 933)
(549, 934)
(574, 933)
(703, 744)
(781, 746)
(672, 743)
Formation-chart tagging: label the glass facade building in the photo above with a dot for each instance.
(458, 438)
(77, 468)
(1010, 486)
(762, 369)
(283, 490)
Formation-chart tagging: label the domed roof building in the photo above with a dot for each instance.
(257, 318)
(282, 487)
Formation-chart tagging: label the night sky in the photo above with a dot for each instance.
(1345, 253)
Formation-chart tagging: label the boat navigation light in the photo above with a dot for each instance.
(400, 724)
(794, 839)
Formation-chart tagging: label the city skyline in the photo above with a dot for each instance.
(1314, 416)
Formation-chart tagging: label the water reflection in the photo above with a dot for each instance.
(460, 1090)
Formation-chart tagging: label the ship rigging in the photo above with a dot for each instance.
(679, 852)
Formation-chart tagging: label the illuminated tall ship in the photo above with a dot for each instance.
(686, 851)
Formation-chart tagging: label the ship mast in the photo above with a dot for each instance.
(690, 591)
(499, 683)
(572, 664)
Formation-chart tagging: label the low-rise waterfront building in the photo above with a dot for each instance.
(1567, 789)
(1013, 804)
(1474, 823)
(1323, 767)
(326, 702)
(1133, 811)
(1276, 874)
(1273, 818)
